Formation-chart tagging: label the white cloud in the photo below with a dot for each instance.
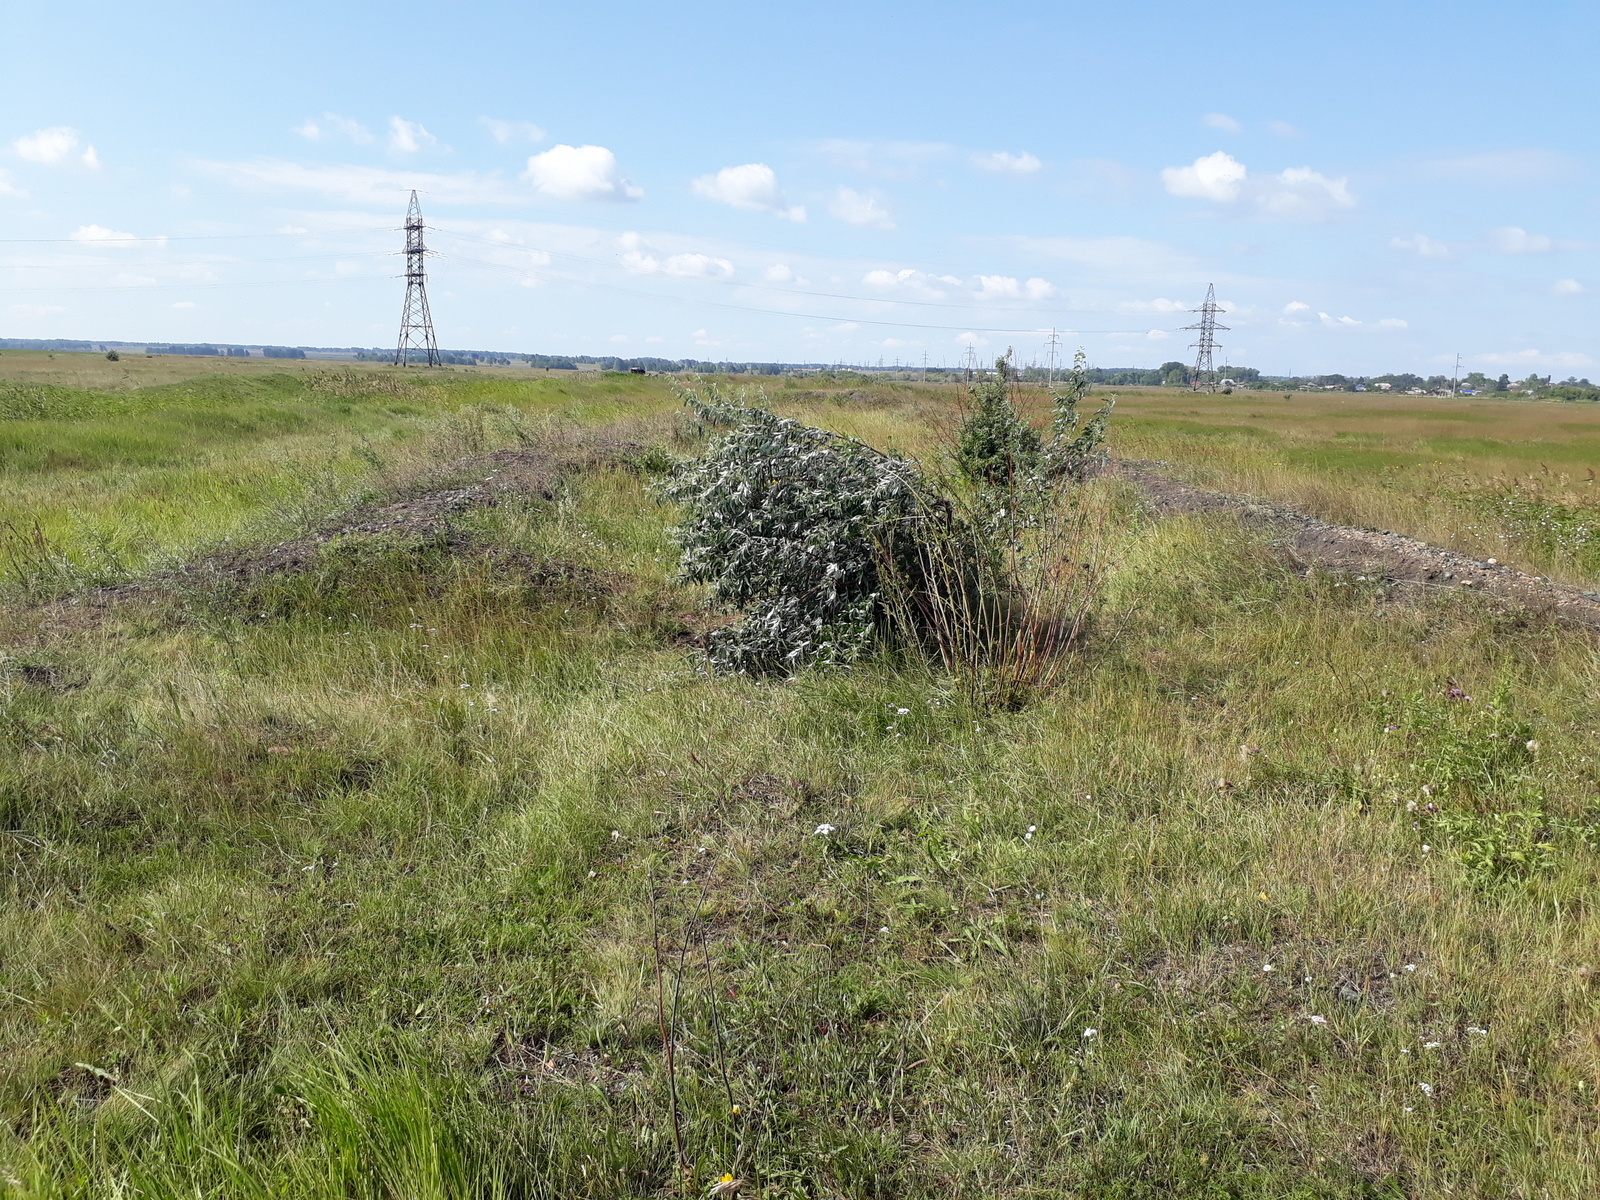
(1337, 322)
(53, 145)
(1221, 121)
(1294, 194)
(1217, 177)
(1160, 304)
(1566, 287)
(919, 284)
(580, 173)
(1301, 194)
(1004, 287)
(365, 185)
(1007, 164)
(1283, 129)
(687, 266)
(1393, 323)
(1157, 335)
(866, 209)
(753, 186)
(1421, 245)
(1296, 306)
(991, 287)
(99, 235)
(7, 188)
(506, 132)
(316, 128)
(618, 338)
(1510, 240)
(778, 273)
(407, 137)
(91, 159)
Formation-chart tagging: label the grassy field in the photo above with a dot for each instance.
(399, 876)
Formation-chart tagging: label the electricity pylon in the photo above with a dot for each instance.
(416, 322)
(1203, 370)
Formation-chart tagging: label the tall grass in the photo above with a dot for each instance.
(339, 884)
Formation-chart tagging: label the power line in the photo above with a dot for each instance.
(600, 262)
(611, 287)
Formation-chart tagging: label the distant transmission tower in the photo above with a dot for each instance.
(416, 322)
(1054, 343)
(1203, 370)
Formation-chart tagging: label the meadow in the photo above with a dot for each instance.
(443, 867)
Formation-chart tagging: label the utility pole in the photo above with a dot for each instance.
(1053, 343)
(1455, 380)
(924, 366)
(416, 322)
(1208, 327)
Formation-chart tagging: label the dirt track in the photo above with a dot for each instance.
(1401, 560)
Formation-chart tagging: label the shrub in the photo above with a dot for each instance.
(793, 525)
(994, 445)
(997, 448)
(828, 544)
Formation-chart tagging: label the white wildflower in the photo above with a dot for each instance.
(823, 830)
(1317, 1020)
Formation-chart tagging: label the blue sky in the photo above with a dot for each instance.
(1371, 187)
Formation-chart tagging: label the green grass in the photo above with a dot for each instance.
(354, 883)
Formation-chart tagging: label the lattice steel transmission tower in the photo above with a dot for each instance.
(416, 322)
(1203, 370)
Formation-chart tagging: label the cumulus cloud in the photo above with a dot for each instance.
(99, 235)
(866, 209)
(507, 132)
(1283, 129)
(1294, 194)
(316, 128)
(1337, 322)
(1221, 121)
(7, 188)
(1421, 245)
(580, 173)
(1157, 335)
(1393, 323)
(1007, 164)
(686, 266)
(778, 273)
(1218, 177)
(53, 145)
(1004, 287)
(1296, 306)
(910, 281)
(752, 187)
(407, 137)
(1566, 287)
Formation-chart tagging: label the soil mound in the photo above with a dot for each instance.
(1401, 560)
